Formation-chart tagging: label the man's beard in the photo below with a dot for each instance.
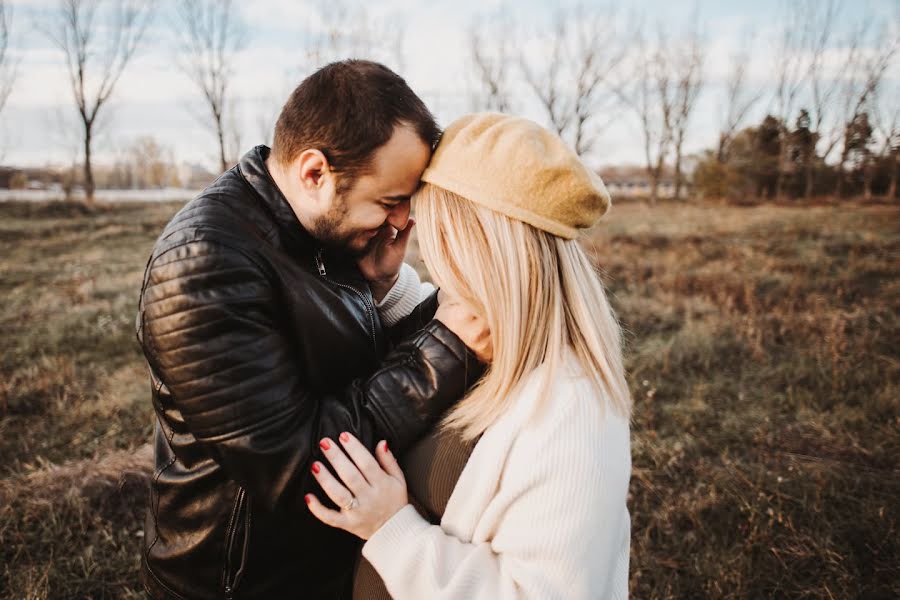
(327, 229)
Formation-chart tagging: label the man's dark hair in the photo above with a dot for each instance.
(347, 110)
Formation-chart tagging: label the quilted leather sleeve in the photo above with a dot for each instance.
(415, 321)
(208, 329)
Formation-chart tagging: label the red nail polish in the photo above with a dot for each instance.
(308, 498)
(345, 437)
(316, 468)
(324, 444)
(386, 448)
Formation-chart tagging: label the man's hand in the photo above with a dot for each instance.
(469, 327)
(381, 265)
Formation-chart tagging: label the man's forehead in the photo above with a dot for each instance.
(399, 189)
(397, 182)
(400, 177)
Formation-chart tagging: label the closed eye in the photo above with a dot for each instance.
(392, 201)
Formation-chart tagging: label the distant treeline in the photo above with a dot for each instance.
(823, 70)
(771, 160)
(143, 164)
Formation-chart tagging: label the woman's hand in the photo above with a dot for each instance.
(369, 492)
(468, 326)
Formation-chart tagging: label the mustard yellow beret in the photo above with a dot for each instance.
(516, 167)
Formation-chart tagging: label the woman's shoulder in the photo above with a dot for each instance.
(572, 398)
(574, 421)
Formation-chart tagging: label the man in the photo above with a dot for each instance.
(271, 317)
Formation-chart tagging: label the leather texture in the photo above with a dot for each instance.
(260, 343)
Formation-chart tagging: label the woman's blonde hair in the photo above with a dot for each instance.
(539, 294)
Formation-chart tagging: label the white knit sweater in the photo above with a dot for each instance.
(404, 296)
(539, 510)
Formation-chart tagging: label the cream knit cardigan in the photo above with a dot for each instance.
(539, 510)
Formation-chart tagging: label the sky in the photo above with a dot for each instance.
(153, 98)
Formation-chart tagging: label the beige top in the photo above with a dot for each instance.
(539, 510)
(432, 467)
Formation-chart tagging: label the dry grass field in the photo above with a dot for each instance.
(762, 350)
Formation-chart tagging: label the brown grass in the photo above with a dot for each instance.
(763, 361)
(762, 356)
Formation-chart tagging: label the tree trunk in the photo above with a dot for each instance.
(779, 168)
(88, 169)
(839, 185)
(654, 183)
(808, 179)
(868, 170)
(892, 188)
(655, 175)
(68, 181)
(720, 153)
(779, 179)
(678, 175)
(221, 133)
(222, 162)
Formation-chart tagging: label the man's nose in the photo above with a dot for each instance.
(399, 216)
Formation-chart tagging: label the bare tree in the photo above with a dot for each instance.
(573, 80)
(150, 164)
(599, 49)
(7, 69)
(688, 70)
(790, 75)
(348, 30)
(210, 35)
(739, 100)
(492, 63)
(843, 103)
(651, 95)
(863, 80)
(819, 25)
(94, 64)
(885, 111)
(546, 83)
(338, 30)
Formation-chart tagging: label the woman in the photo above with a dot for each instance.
(539, 510)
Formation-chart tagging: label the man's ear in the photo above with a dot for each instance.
(312, 168)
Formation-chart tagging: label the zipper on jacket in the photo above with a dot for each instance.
(320, 263)
(230, 582)
(370, 311)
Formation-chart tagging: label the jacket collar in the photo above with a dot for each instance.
(253, 168)
(288, 230)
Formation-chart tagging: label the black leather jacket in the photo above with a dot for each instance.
(259, 344)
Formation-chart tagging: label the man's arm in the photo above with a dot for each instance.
(210, 335)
